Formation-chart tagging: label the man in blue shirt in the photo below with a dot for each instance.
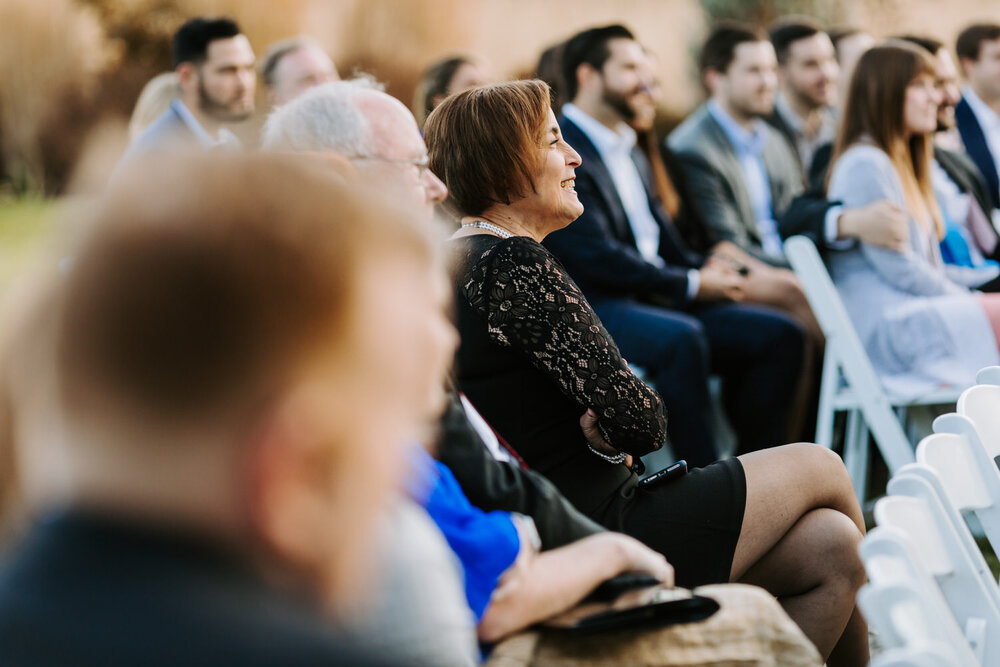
(215, 68)
(743, 173)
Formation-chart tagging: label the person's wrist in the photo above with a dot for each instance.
(845, 225)
(527, 531)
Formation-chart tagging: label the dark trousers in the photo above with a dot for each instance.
(756, 350)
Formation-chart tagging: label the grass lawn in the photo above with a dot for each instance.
(24, 225)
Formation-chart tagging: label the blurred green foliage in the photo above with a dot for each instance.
(762, 13)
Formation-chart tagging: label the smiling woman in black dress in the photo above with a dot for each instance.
(535, 359)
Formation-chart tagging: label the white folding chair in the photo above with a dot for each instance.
(965, 471)
(904, 605)
(916, 510)
(849, 382)
(989, 375)
(981, 404)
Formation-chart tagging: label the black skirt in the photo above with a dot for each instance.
(694, 520)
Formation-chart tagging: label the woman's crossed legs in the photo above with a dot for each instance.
(799, 540)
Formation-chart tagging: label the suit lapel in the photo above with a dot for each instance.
(672, 245)
(598, 171)
(733, 173)
(977, 148)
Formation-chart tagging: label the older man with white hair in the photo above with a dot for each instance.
(357, 121)
(374, 131)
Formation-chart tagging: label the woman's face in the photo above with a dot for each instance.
(920, 108)
(466, 77)
(554, 203)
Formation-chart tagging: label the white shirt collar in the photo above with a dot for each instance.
(743, 140)
(606, 140)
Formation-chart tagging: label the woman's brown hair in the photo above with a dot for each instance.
(874, 112)
(484, 143)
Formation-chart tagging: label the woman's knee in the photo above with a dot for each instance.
(805, 476)
(805, 458)
(837, 538)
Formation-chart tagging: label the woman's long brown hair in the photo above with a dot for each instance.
(874, 112)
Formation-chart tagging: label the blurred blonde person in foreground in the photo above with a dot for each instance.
(233, 376)
(154, 99)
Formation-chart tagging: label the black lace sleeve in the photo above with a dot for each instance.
(532, 305)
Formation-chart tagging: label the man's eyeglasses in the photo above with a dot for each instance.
(421, 163)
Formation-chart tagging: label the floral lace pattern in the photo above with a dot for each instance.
(531, 304)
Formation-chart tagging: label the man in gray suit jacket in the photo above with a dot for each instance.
(215, 68)
(742, 174)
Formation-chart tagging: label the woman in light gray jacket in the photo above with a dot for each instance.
(921, 330)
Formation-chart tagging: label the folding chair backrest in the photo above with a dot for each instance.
(945, 549)
(831, 314)
(844, 345)
(981, 404)
(903, 603)
(951, 456)
(966, 471)
(919, 481)
(988, 375)
(913, 517)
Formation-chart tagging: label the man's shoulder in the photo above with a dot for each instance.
(948, 156)
(780, 154)
(83, 592)
(167, 132)
(691, 134)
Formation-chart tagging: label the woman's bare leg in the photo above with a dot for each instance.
(799, 540)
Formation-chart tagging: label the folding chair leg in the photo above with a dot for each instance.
(856, 452)
(827, 391)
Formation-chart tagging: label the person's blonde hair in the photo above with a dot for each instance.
(154, 99)
(874, 111)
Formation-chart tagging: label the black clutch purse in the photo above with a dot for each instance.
(630, 602)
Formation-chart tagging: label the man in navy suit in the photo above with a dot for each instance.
(669, 309)
(215, 68)
(978, 113)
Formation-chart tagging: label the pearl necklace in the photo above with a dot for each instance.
(488, 226)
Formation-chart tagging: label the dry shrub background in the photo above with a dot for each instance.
(70, 69)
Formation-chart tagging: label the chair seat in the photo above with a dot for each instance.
(847, 399)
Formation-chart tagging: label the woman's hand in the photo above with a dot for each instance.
(637, 557)
(553, 581)
(588, 423)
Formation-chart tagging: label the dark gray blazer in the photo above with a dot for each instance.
(715, 179)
